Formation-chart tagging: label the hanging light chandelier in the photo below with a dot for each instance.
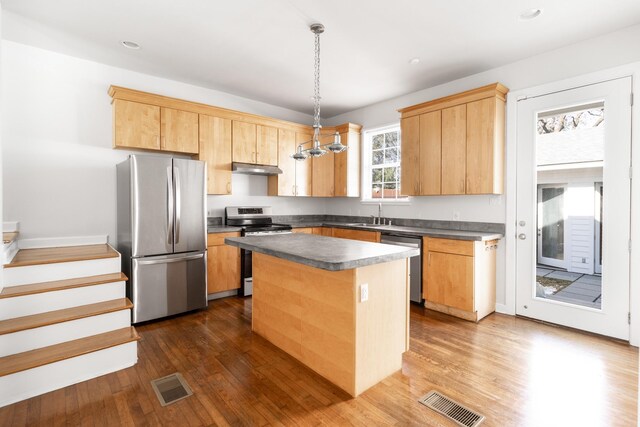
(318, 149)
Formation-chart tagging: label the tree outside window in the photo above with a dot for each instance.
(383, 166)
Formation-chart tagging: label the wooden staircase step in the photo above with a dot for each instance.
(58, 316)
(57, 285)
(67, 350)
(41, 256)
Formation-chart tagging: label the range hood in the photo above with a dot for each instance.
(249, 169)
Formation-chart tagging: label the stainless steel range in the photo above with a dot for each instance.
(254, 221)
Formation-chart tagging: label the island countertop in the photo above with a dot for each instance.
(322, 252)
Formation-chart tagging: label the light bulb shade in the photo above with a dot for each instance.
(299, 154)
(336, 146)
(317, 152)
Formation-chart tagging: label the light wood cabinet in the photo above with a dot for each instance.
(322, 175)
(430, 153)
(364, 235)
(303, 168)
(244, 139)
(150, 127)
(215, 150)
(178, 131)
(454, 149)
(284, 184)
(267, 145)
(254, 144)
(304, 230)
(322, 231)
(455, 145)
(135, 125)
(460, 277)
(223, 264)
(485, 146)
(347, 164)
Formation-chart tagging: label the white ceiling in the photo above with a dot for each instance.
(263, 49)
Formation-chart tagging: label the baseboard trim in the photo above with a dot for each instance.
(222, 294)
(58, 242)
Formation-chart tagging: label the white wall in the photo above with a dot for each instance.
(1, 97)
(59, 167)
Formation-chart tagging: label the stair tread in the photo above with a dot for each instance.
(55, 353)
(57, 285)
(39, 256)
(58, 316)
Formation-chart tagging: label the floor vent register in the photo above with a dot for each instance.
(451, 409)
(171, 388)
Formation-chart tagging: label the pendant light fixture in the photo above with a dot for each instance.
(318, 149)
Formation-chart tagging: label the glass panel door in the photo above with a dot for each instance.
(551, 223)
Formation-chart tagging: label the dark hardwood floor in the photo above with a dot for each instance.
(514, 371)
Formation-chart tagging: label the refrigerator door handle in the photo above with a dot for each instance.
(169, 207)
(169, 260)
(176, 177)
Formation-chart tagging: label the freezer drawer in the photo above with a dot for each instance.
(169, 284)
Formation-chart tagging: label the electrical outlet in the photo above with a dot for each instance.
(364, 292)
(456, 215)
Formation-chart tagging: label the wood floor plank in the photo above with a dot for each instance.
(58, 285)
(511, 370)
(40, 256)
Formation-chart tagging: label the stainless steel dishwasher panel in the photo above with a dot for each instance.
(168, 284)
(415, 263)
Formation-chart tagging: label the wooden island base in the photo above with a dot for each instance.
(316, 316)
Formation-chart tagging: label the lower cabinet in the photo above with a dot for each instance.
(304, 230)
(366, 236)
(223, 264)
(460, 277)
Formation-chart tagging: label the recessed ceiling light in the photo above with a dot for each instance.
(530, 14)
(414, 61)
(130, 45)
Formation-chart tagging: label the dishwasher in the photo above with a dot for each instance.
(415, 263)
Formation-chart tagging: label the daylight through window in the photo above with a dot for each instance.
(384, 164)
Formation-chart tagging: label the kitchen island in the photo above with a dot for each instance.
(308, 300)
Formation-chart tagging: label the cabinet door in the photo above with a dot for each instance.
(485, 146)
(322, 175)
(454, 149)
(410, 172)
(430, 152)
(365, 236)
(223, 268)
(450, 280)
(244, 140)
(322, 231)
(178, 131)
(215, 149)
(305, 230)
(135, 125)
(346, 167)
(267, 145)
(303, 167)
(284, 184)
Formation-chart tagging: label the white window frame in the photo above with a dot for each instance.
(367, 166)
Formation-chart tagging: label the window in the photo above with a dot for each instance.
(381, 179)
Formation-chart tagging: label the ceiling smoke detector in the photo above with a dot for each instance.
(530, 14)
(130, 45)
(414, 61)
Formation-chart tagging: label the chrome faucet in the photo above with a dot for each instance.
(379, 213)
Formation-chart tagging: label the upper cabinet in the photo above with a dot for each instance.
(215, 150)
(346, 165)
(178, 131)
(135, 125)
(455, 145)
(219, 137)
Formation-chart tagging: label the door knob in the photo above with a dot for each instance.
(522, 236)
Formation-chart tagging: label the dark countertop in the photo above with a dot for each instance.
(223, 229)
(327, 253)
(415, 231)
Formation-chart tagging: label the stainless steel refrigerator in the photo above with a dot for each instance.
(162, 234)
